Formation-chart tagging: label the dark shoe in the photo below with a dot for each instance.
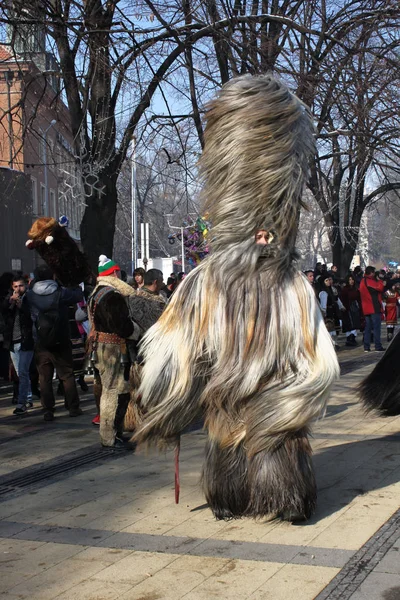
(20, 410)
(83, 385)
(48, 416)
(367, 349)
(119, 443)
(76, 413)
(29, 405)
(389, 337)
(382, 349)
(352, 339)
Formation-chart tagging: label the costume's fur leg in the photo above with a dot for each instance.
(282, 481)
(380, 391)
(97, 390)
(108, 410)
(133, 416)
(225, 481)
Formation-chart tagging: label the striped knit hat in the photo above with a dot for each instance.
(107, 266)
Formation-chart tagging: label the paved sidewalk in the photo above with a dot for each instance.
(78, 523)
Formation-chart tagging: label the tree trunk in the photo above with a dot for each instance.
(98, 223)
(342, 256)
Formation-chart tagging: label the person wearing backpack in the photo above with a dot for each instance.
(49, 302)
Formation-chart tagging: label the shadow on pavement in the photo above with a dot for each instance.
(349, 470)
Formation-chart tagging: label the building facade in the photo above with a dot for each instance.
(38, 170)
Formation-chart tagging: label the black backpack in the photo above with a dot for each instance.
(48, 325)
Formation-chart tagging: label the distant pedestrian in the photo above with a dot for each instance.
(18, 339)
(138, 281)
(371, 290)
(5, 288)
(330, 305)
(351, 318)
(391, 298)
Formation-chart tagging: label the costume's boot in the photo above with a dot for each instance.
(224, 480)
(282, 481)
(123, 401)
(390, 331)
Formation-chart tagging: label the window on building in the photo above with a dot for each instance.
(53, 206)
(35, 207)
(61, 203)
(42, 199)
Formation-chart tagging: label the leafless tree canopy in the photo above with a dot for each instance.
(148, 69)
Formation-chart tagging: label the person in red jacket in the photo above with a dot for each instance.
(371, 290)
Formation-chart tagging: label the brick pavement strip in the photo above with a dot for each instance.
(168, 544)
(363, 562)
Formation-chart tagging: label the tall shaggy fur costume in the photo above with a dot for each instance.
(60, 252)
(243, 341)
(380, 391)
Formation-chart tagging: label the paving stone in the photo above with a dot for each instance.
(96, 590)
(379, 586)
(63, 535)
(390, 562)
(295, 582)
(136, 567)
(234, 580)
(10, 528)
(52, 582)
(151, 543)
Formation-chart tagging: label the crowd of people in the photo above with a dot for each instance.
(50, 332)
(357, 304)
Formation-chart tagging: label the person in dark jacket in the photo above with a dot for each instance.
(371, 290)
(351, 318)
(45, 297)
(5, 287)
(19, 340)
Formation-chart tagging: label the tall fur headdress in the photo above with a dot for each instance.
(258, 141)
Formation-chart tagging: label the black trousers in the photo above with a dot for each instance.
(61, 360)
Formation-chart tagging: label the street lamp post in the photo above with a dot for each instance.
(134, 246)
(46, 186)
(182, 240)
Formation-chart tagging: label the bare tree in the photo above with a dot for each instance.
(342, 60)
(166, 193)
(338, 57)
